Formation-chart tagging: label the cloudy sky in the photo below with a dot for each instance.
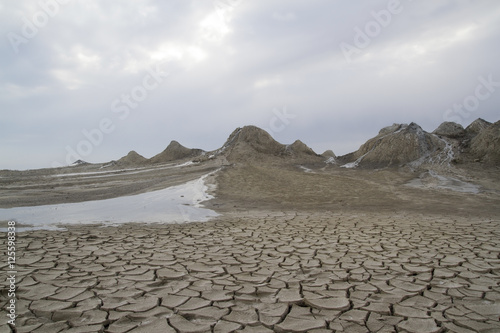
(96, 79)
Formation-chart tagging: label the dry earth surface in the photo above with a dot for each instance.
(314, 249)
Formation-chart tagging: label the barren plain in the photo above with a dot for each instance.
(297, 248)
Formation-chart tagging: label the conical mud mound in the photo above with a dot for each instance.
(132, 158)
(476, 127)
(175, 151)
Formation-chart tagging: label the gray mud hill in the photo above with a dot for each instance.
(329, 153)
(80, 162)
(132, 158)
(485, 146)
(300, 148)
(450, 130)
(409, 145)
(251, 144)
(395, 145)
(330, 157)
(476, 127)
(175, 151)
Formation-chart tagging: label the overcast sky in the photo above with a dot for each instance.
(96, 79)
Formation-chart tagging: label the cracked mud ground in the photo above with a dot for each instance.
(264, 272)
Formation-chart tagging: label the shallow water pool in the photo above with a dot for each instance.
(176, 204)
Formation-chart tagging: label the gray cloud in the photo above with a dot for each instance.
(233, 65)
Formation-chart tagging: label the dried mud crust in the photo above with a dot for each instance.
(249, 187)
(267, 271)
